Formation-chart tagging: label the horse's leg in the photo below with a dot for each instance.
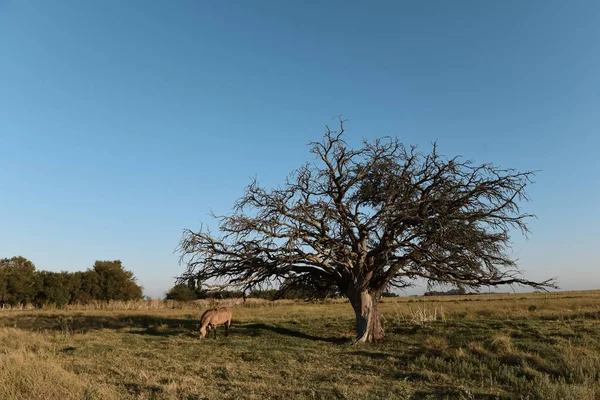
(215, 328)
(227, 324)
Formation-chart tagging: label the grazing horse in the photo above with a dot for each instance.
(211, 318)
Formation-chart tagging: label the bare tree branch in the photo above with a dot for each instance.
(362, 220)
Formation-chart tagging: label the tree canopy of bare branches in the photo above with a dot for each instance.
(364, 220)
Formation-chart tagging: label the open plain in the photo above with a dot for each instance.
(517, 346)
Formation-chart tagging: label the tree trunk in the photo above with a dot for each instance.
(368, 320)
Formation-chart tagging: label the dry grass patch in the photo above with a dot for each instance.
(502, 344)
(460, 354)
(436, 345)
(29, 369)
(303, 350)
(478, 350)
(547, 389)
(29, 377)
(16, 341)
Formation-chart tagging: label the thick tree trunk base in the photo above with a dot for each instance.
(368, 319)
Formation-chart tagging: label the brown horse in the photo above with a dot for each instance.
(211, 318)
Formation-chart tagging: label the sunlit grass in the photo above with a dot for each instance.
(537, 346)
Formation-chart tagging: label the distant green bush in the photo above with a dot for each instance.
(453, 292)
(181, 293)
(20, 283)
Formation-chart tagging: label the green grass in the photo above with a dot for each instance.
(480, 347)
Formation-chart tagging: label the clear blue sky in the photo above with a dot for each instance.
(121, 123)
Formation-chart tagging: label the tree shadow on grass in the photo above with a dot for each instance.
(373, 354)
(78, 323)
(254, 330)
(152, 331)
(144, 325)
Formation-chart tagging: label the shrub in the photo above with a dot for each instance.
(181, 293)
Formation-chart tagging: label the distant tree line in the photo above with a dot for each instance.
(460, 292)
(182, 292)
(21, 283)
(452, 292)
(191, 290)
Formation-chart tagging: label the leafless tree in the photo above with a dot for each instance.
(365, 220)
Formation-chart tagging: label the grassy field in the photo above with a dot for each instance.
(536, 346)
